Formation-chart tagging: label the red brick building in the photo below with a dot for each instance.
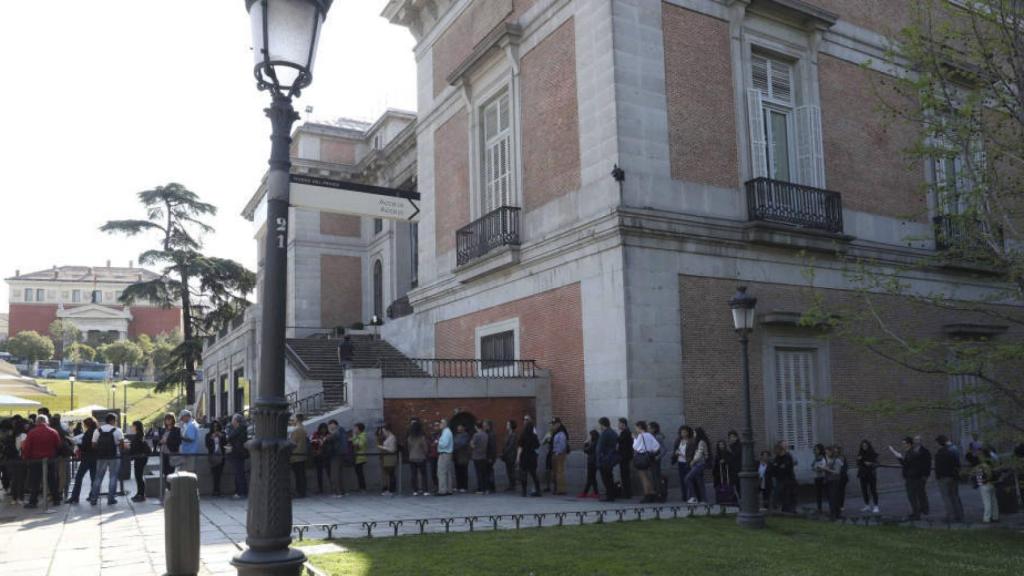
(87, 297)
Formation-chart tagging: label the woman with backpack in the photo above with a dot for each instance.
(867, 474)
(138, 451)
(645, 449)
(388, 447)
(416, 445)
(87, 460)
(319, 444)
(590, 449)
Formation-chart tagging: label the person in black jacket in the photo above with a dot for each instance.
(237, 436)
(734, 459)
(867, 473)
(607, 456)
(625, 459)
(508, 454)
(784, 473)
(138, 451)
(590, 449)
(947, 474)
(87, 463)
(170, 443)
(526, 456)
(215, 443)
(916, 462)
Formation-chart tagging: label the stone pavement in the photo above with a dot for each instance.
(128, 538)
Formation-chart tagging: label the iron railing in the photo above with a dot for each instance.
(966, 234)
(459, 368)
(496, 229)
(400, 308)
(794, 205)
(310, 405)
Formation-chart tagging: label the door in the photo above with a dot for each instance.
(795, 415)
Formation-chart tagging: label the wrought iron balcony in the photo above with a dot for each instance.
(494, 230)
(969, 235)
(794, 205)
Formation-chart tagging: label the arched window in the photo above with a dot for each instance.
(378, 289)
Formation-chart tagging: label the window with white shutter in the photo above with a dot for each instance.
(962, 389)
(497, 190)
(795, 375)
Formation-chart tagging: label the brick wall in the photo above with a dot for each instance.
(337, 151)
(865, 156)
(153, 321)
(458, 41)
(882, 16)
(551, 142)
(451, 182)
(340, 225)
(712, 375)
(36, 317)
(550, 332)
(399, 411)
(341, 280)
(698, 86)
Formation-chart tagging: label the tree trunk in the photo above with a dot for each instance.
(187, 333)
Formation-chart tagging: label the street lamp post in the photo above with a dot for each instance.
(285, 35)
(750, 516)
(71, 380)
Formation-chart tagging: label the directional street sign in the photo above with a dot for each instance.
(343, 197)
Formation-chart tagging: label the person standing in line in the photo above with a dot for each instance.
(656, 467)
(478, 450)
(867, 474)
(590, 450)
(108, 440)
(547, 448)
(607, 456)
(359, 444)
(526, 456)
(695, 477)
(416, 445)
(340, 454)
(832, 467)
(432, 456)
(844, 478)
(766, 478)
(388, 447)
(139, 451)
(734, 460)
(560, 451)
(66, 451)
(445, 449)
(681, 452)
(986, 477)
(87, 460)
(508, 454)
(645, 446)
(191, 448)
(625, 459)
(170, 445)
(320, 450)
(463, 455)
(300, 452)
(492, 455)
(916, 462)
(784, 475)
(215, 443)
(947, 475)
(237, 453)
(818, 465)
(42, 443)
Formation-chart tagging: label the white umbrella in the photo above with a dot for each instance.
(16, 403)
(80, 413)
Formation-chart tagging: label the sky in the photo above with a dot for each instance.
(106, 99)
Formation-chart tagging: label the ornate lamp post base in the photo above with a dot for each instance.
(287, 562)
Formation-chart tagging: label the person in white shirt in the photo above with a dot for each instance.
(645, 449)
(107, 441)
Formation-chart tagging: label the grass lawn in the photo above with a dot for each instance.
(713, 546)
(143, 402)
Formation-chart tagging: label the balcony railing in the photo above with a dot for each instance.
(794, 205)
(969, 235)
(460, 368)
(496, 229)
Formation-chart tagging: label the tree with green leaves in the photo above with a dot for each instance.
(123, 353)
(81, 352)
(31, 346)
(211, 291)
(64, 335)
(959, 79)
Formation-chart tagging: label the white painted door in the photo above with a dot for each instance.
(795, 374)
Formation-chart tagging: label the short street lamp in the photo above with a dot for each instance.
(742, 305)
(285, 35)
(71, 380)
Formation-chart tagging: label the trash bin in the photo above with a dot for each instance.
(181, 524)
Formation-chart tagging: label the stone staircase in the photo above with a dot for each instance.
(316, 358)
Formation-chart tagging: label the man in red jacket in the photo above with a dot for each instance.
(41, 443)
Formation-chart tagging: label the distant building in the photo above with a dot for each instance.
(3, 326)
(88, 298)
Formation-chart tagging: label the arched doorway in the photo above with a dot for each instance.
(465, 419)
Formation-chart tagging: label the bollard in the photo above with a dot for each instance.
(181, 524)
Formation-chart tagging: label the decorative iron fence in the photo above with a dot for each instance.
(496, 229)
(459, 368)
(309, 405)
(965, 234)
(794, 205)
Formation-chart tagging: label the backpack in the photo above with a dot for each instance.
(106, 447)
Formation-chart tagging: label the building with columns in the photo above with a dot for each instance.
(87, 297)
